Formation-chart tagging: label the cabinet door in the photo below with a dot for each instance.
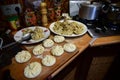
(97, 62)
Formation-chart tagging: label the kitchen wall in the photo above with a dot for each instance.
(74, 6)
(7, 7)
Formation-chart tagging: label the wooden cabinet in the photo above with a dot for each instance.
(95, 63)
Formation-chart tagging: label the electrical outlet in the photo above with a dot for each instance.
(10, 9)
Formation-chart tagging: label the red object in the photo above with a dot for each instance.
(30, 18)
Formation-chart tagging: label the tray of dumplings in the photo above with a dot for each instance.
(68, 28)
(38, 34)
(43, 59)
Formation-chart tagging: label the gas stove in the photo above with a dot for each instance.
(100, 27)
(103, 30)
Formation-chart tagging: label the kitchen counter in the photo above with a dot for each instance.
(106, 40)
(81, 42)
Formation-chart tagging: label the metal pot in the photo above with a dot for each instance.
(90, 11)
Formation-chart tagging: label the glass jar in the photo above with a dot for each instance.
(51, 14)
(14, 22)
(58, 11)
(30, 18)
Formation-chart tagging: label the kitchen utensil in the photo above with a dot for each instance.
(90, 11)
(93, 40)
(26, 37)
(1, 42)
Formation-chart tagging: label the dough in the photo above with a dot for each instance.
(58, 39)
(69, 47)
(39, 49)
(22, 56)
(48, 43)
(57, 50)
(32, 70)
(48, 60)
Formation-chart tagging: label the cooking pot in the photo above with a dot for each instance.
(90, 11)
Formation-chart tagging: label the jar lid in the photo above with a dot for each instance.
(12, 18)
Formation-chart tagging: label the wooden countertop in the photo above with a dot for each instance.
(106, 40)
(81, 42)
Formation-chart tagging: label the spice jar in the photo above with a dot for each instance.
(57, 9)
(51, 14)
(30, 18)
(14, 22)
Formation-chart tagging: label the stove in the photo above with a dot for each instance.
(100, 27)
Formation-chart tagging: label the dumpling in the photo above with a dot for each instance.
(48, 43)
(39, 49)
(58, 39)
(57, 50)
(49, 60)
(69, 47)
(22, 56)
(32, 70)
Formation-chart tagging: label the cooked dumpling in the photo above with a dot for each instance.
(32, 70)
(22, 56)
(37, 34)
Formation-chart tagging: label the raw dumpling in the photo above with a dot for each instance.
(48, 60)
(69, 47)
(57, 50)
(39, 49)
(32, 70)
(58, 39)
(22, 56)
(48, 43)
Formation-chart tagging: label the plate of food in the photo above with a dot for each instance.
(68, 28)
(38, 34)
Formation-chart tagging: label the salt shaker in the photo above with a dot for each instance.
(44, 14)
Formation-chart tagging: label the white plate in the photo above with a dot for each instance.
(19, 35)
(73, 35)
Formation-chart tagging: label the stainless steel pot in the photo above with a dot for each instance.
(90, 11)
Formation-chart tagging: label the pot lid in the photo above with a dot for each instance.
(94, 4)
